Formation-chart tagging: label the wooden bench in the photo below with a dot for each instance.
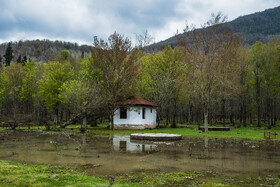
(202, 128)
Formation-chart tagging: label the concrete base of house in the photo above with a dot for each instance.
(134, 127)
(155, 136)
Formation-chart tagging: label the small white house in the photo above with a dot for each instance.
(136, 113)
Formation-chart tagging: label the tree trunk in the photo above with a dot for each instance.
(274, 115)
(197, 116)
(47, 126)
(167, 116)
(56, 117)
(206, 111)
(158, 121)
(244, 114)
(173, 125)
(67, 115)
(189, 115)
(111, 120)
(84, 125)
(268, 112)
(94, 121)
(258, 92)
(223, 112)
(61, 116)
(158, 118)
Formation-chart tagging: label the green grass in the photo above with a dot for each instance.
(192, 130)
(250, 132)
(157, 179)
(16, 174)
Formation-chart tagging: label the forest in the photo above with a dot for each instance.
(210, 78)
(43, 50)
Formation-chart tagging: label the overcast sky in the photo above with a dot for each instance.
(80, 20)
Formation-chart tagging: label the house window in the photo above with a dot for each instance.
(143, 113)
(123, 113)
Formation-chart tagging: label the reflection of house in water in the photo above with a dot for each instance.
(123, 143)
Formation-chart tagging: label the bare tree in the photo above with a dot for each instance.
(143, 39)
(204, 48)
(116, 65)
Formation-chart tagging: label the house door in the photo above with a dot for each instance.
(143, 113)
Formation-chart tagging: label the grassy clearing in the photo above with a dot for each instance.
(250, 132)
(15, 174)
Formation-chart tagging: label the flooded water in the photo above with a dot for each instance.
(117, 154)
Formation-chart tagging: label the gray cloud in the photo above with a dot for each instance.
(80, 20)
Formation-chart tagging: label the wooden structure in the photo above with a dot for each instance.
(202, 128)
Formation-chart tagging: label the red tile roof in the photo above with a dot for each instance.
(138, 101)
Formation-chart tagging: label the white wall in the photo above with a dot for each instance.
(134, 116)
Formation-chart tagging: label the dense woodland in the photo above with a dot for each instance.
(211, 78)
(43, 50)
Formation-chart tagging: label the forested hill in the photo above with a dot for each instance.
(44, 50)
(260, 26)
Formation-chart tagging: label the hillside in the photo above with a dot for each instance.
(260, 26)
(44, 50)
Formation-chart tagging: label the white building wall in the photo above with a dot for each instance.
(134, 116)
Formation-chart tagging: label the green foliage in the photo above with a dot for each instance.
(87, 72)
(13, 76)
(74, 94)
(162, 75)
(29, 88)
(55, 75)
(64, 54)
(2, 89)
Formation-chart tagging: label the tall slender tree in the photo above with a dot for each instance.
(8, 54)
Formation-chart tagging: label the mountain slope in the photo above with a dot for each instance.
(260, 26)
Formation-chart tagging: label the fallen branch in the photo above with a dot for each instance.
(72, 121)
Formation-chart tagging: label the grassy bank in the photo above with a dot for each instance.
(16, 174)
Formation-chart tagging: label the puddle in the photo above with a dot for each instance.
(117, 154)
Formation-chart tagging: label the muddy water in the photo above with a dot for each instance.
(116, 154)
